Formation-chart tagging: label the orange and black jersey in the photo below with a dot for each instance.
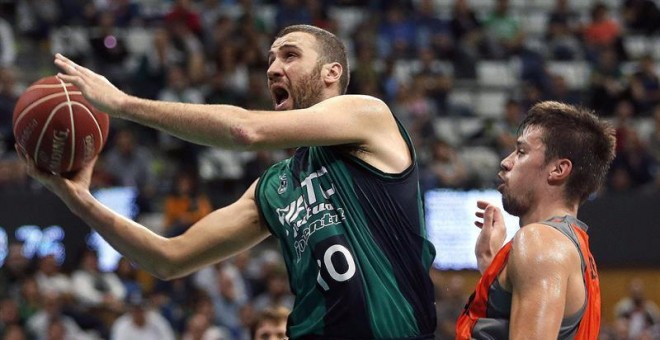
(488, 312)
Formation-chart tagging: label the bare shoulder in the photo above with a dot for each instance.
(541, 245)
(356, 103)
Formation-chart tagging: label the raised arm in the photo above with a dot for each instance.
(538, 270)
(222, 233)
(349, 119)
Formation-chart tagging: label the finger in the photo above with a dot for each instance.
(482, 204)
(488, 215)
(497, 215)
(66, 65)
(69, 78)
(479, 214)
(478, 224)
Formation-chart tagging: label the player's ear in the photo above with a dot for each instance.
(560, 170)
(332, 72)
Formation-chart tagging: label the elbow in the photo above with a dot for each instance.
(167, 272)
(243, 137)
(164, 267)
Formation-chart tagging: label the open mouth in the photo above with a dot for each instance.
(280, 94)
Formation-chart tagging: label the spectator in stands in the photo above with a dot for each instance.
(563, 15)
(270, 324)
(186, 48)
(227, 59)
(39, 324)
(141, 322)
(183, 12)
(29, 298)
(222, 172)
(504, 34)
(635, 160)
(228, 301)
(433, 33)
(291, 12)
(35, 19)
(468, 39)
(641, 16)
(446, 168)
(150, 73)
(561, 34)
(127, 274)
(532, 93)
(14, 332)
(96, 290)
(199, 327)
(561, 92)
(602, 33)
(9, 316)
(435, 81)
(109, 48)
(174, 299)
(277, 291)
(640, 312)
(50, 277)
(15, 269)
(130, 165)
(506, 130)
(607, 83)
(7, 44)
(179, 88)
(12, 173)
(416, 111)
(644, 86)
(365, 74)
(319, 16)
(397, 33)
(185, 205)
(9, 92)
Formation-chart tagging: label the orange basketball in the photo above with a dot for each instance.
(57, 127)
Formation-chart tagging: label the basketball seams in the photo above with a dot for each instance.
(44, 127)
(73, 125)
(39, 102)
(47, 86)
(41, 135)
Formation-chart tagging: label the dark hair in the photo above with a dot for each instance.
(576, 134)
(330, 49)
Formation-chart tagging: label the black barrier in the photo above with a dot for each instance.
(44, 225)
(624, 229)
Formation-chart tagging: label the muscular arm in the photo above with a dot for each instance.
(538, 270)
(349, 119)
(223, 233)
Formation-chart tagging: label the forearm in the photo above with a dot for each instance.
(213, 125)
(139, 244)
(483, 261)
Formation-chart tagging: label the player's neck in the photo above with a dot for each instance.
(545, 211)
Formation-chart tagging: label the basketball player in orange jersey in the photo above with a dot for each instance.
(543, 284)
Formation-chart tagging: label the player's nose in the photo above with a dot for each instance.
(274, 71)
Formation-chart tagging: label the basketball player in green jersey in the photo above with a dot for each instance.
(346, 207)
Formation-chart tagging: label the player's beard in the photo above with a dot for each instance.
(516, 205)
(308, 90)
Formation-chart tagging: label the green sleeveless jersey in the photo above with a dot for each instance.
(354, 243)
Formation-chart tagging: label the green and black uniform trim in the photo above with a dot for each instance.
(354, 243)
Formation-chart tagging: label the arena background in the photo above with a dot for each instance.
(458, 90)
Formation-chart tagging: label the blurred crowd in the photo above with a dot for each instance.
(459, 74)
